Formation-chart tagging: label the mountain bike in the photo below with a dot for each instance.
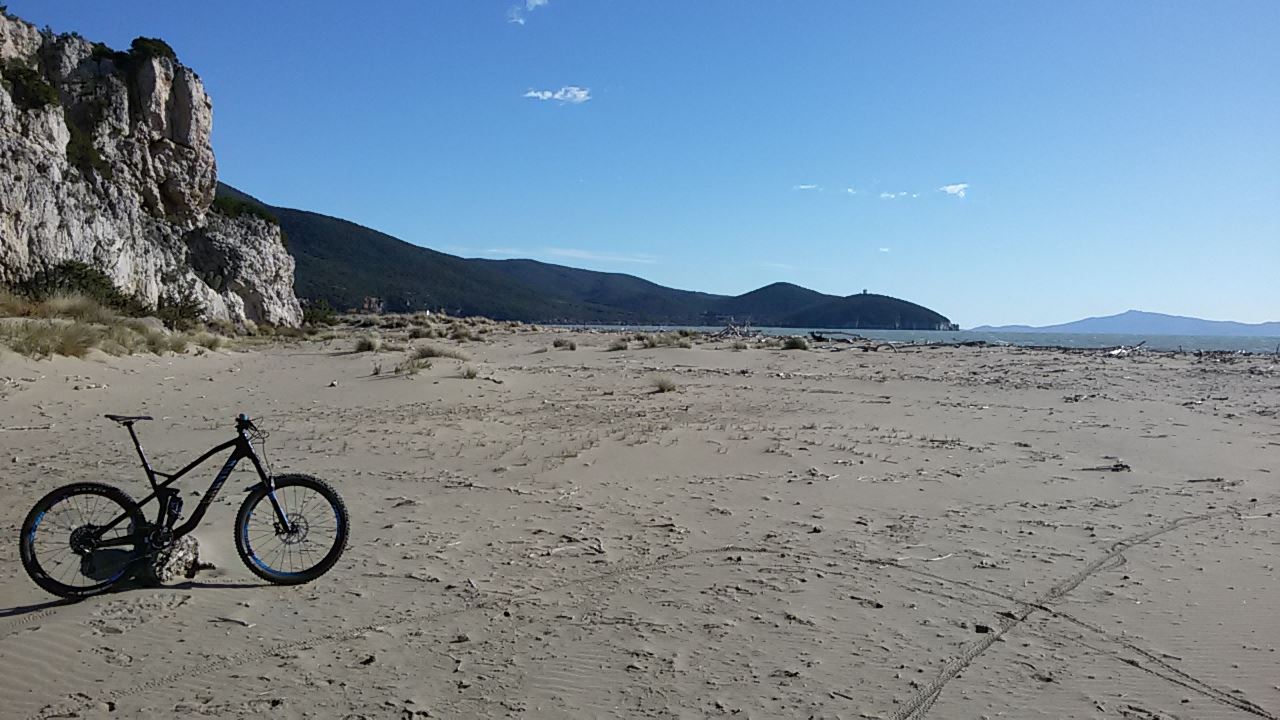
(82, 539)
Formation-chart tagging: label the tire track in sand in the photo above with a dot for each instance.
(919, 704)
(85, 700)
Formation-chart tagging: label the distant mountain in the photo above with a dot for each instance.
(344, 263)
(1136, 322)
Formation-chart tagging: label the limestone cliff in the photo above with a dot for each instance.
(105, 158)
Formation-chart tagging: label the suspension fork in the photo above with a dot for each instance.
(269, 483)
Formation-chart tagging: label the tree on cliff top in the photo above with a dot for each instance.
(146, 48)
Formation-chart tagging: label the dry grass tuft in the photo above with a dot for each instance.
(412, 366)
(368, 343)
(209, 341)
(663, 384)
(618, 344)
(435, 351)
(667, 340)
(46, 339)
(461, 332)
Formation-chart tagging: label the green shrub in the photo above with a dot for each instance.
(28, 87)
(235, 207)
(180, 312)
(795, 343)
(319, 312)
(77, 278)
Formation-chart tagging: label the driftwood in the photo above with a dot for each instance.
(736, 331)
(1126, 350)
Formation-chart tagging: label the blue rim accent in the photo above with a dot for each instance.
(31, 536)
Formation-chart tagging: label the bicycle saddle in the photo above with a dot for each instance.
(126, 419)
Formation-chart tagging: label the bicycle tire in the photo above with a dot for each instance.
(35, 523)
(247, 544)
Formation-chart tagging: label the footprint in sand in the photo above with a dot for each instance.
(120, 616)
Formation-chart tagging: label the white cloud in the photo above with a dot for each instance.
(509, 252)
(884, 250)
(805, 187)
(851, 191)
(571, 94)
(778, 266)
(516, 13)
(601, 257)
(958, 189)
(890, 196)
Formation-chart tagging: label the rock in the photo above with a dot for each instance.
(180, 560)
(136, 201)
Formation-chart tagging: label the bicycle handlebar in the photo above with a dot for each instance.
(244, 423)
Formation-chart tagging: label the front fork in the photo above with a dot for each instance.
(269, 483)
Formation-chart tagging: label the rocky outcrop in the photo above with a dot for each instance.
(105, 158)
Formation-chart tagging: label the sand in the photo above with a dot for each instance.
(787, 534)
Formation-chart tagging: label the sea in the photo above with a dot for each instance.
(1187, 343)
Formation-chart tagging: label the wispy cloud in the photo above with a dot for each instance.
(601, 257)
(517, 13)
(778, 266)
(805, 186)
(507, 252)
(851, 191)
(571, 94)
(884, 250)
(957, 189)
(890, 196)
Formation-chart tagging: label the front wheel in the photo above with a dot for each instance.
(312, 542)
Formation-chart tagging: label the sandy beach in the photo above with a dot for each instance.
(945, 532)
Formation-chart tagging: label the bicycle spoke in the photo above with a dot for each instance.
(313, 530)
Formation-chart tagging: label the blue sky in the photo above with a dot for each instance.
(1000, 162)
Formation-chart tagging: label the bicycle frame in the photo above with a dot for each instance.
(240, 447)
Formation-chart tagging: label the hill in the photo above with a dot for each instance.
(343, 263)
(866, 311)
(1137, 322)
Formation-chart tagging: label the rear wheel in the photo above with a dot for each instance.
(313, 541)
(59, 542)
